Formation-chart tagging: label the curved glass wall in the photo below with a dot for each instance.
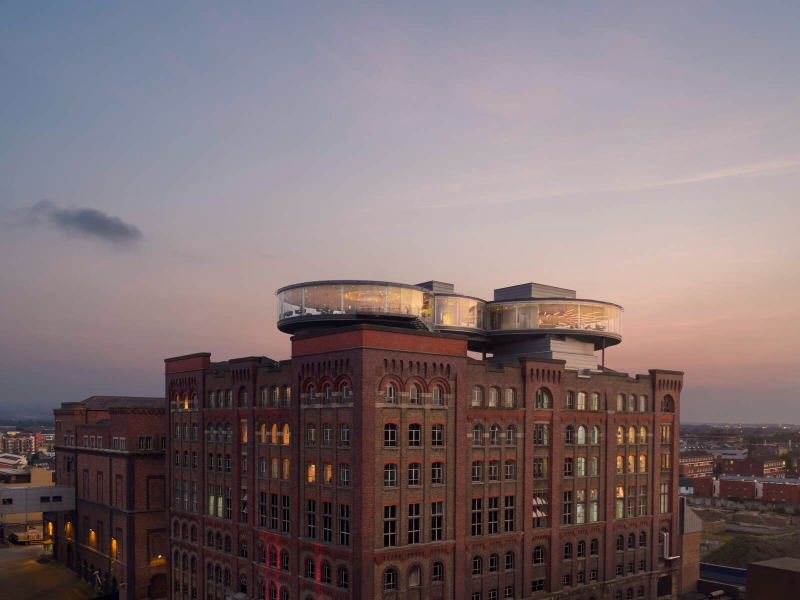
(583, 316)
(458, 311)
(352, 299)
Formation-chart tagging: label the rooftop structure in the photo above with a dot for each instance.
(523, 320)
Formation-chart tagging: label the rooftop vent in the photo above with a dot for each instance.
(532, 290)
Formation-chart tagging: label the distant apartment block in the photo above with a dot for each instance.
(766, 489)
(695, 464)
(756, 466)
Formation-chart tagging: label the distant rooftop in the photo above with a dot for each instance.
(790, 480)
(784, 563)
(105, 402)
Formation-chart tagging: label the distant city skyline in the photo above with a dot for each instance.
(165, 168)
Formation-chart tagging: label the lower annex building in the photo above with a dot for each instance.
(382, 461)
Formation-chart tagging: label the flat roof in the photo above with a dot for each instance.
(352, 282)
(785, 563)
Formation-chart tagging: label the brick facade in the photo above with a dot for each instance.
(413, 471)
(111, 450)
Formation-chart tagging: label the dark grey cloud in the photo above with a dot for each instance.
(85, 222)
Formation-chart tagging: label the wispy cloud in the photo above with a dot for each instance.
(753, 170)
(84, 222)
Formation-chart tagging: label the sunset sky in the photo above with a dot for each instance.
(165, 167)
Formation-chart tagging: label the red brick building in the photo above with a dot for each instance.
(756, 466)
(695, 464)
(737, 488)
(111, 449)
(704, 486)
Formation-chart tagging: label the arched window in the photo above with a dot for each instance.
(344, 475)
(640, 592)
(538, 555)
(285, 434)
(620, 465)
(344, 578)
(228, 544)
(275, 395)
(228, 432)
(642, 434)
(185, 563)
(594, 547)
(311, 472)
(642, 539)
(346, 396)
(437, 572)
(667, 404)
(327, 473)
(243, 583)
(494, 435)
(493, 563)
(311, 434)
(568, 467)
(477, 396)
(312, 394)
(511, 435)
(344, 435)
(311, 568)
(210, 539)
(581, 466)
(569, 399)
(391, 393)
(390, 475)
(211, 400)
(243, 549)
(510, 560)
(581, 549)
(390, 435)
(438, 396)
(229, 403)
(262, 430)
(194, 534)
(242, 397)
(642, 463)
(632, 541)
(620, 435)
(581, 405)
(542, 399)
(595, 434)
(494, 397)
(642, 403)
(632, 403)
(326, 572)
(632, 435)
(477, 435)
(273, 434)
(569, 435)
(631, 463)
(477, 565)
(568, 551)
(414, 396)
(414, 435)
(414, 576)
(284, 560)
(594, 401)
(511, 469)
(219, 542)
(327, 393)
(210, 572)
(477, 471)
(581, 434)
(284, 468)
(618, 595)
(620, 543)
(511, 398)
(629, 594)
(620, 402)
(390, 580)
(287, 396)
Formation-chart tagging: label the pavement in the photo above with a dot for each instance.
(22, 578)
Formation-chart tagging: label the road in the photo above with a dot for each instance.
(22, 578)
